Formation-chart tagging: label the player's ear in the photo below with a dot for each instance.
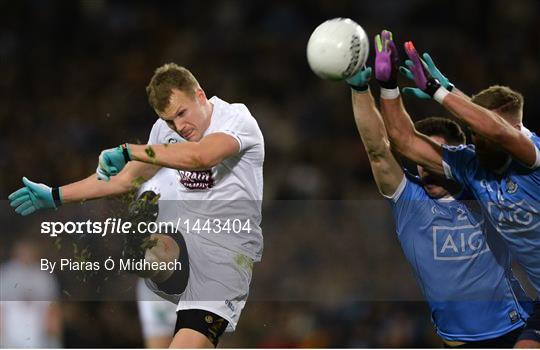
(200, 95)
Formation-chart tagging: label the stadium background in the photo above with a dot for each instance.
(72, 79)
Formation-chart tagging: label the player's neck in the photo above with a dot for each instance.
(209, 108)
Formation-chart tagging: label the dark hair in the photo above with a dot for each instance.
(446, 128)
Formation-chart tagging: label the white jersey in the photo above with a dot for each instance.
(219, 280)
(227, 198)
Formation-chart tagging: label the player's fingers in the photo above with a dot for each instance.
(409, 64)
(428, 60)
(28, 211)
(18, 200)
(102, 176)
(367, 73)
(20, 192)
(387, 35)
(410, 50)
(21, 208)
(103, 161)
(392, 47)
(408, 91)
(378, 43)
(415, 92)
(30, 184)
(406, 72)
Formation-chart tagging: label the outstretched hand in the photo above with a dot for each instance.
(386, 60)
(434, 71)
(359, 81)
(422, 77)
(32, 197)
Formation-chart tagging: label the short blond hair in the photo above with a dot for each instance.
(166, 78)
(503, 100)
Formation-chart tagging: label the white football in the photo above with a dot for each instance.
(337, 49)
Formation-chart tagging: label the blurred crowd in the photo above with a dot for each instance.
(73, 78)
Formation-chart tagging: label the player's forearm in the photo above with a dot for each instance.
(405, 140)
(479, 119)
(184, 156)
(92, 188)
(370, 125)
(457, 91)
(398, 123)
(386, 170)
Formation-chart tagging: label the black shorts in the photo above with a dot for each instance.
(532, 327)
(205, 322)
(504, 341)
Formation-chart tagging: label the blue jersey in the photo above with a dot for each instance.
(463, 271)
(510, 199)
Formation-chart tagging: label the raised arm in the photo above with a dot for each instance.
(493, 127)
(399, 127)
(482, 121)
(406, 140)
(386, 170)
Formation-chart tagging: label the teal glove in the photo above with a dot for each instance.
(33, 197)
(433, 70)
(112, 161)
(359, 81)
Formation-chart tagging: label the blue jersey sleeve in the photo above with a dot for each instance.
(405, 199)
(459, 162)
(536, 140)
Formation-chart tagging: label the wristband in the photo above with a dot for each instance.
(389, 94)
(57, 198)
(360, 89)
(440, 94)
(125, 152)
(389, 85)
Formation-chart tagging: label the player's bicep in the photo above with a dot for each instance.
(423, 151)
(521, 148)
(387, 172)
(217, 147)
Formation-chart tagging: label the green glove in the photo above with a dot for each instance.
(112, 161)
(433, 70)
(359, 81)
(33, 197)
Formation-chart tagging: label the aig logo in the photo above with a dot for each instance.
(516, 217)
(458, 243)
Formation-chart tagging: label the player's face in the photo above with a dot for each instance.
(434, 185)
(188, 116)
